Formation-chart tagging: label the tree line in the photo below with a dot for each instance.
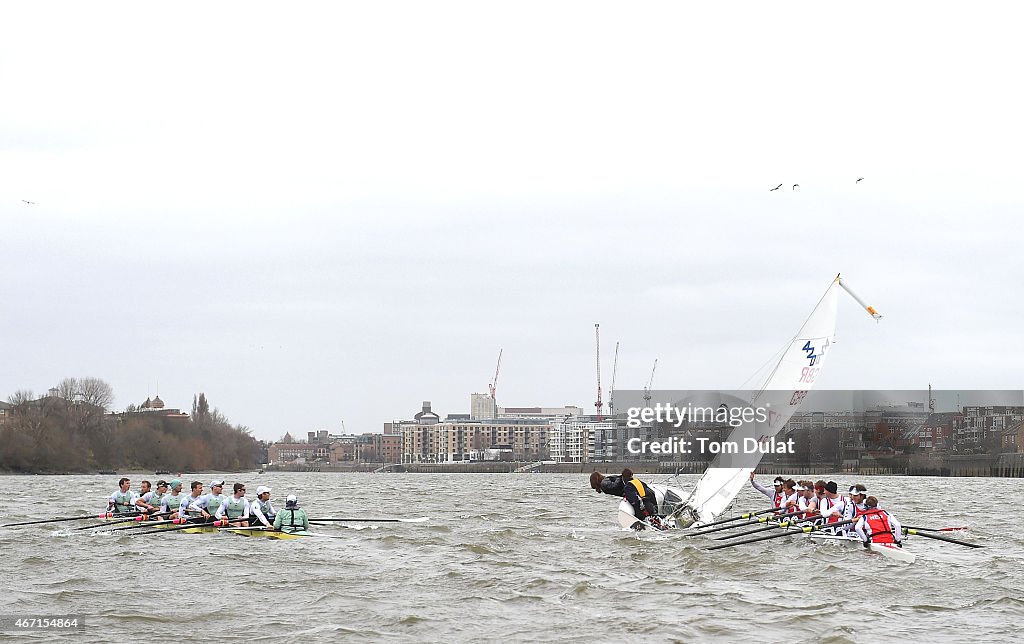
(71, 430)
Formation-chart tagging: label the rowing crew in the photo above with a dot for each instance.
(197, 507)
(820, 503)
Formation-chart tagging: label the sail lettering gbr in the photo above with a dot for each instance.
(808, 374)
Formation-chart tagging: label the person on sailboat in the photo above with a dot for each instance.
(607, 484)
(641, 497)
(875, 525)
(292, 518)
(775, 495)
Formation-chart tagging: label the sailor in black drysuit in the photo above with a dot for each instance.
(612, 485)
(641, 497)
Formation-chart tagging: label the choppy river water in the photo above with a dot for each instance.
(534, 557)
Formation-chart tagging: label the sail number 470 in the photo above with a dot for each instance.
(808, 374)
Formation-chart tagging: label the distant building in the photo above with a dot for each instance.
(1013, 438)
(6, 411)
(572, 440)
(426, 416)
(153, 407)
(981, 428)
(426, 439)
(938, 431)
(279, 453)
(550, 413)
(323, 446)
(482, 407)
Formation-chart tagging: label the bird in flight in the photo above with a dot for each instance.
(795, 186)
(859, 180)
(775, 188)
(31, 203)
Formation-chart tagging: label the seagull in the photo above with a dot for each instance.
(31, 203)
(795, 186)
(859, 180)
(775, 188)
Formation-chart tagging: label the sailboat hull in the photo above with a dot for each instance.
(669, 499)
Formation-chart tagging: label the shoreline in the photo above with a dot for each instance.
(966, 470)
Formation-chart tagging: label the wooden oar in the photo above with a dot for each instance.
(916, 531)
(329, 519)
(783, 524)
(740, 525)
(101, 515)
(788, 532)
(747, 515)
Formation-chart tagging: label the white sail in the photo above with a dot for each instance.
(782, 393)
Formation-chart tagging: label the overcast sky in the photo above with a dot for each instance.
(335, 211)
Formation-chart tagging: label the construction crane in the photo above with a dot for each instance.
(493, 387)
(611, 392)
(598, 404)
(650, 383)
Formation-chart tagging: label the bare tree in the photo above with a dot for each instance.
(92, 391)
(96, 392)
(67, 389)
(21, 397)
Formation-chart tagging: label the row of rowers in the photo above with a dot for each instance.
(820, 501)
(169, 500)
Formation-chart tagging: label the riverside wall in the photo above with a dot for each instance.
(985, 465)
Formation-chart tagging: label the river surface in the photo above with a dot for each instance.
(522, 557)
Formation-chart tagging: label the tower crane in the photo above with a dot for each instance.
(611, 391)
(650, 383)
(493, 386)
(598, 404)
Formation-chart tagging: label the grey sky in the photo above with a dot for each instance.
(338, 211)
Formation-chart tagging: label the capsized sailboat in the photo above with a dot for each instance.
(781, 394)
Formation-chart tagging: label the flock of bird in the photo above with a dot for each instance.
(797, 185)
